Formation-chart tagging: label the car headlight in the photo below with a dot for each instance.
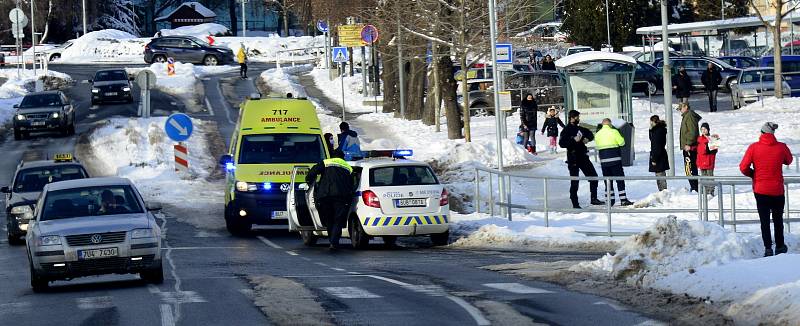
(20, 117)
(126, 89)
(24, 211)
(55, 115)
(142, 233)
(245, 186)
(50, 240)
(95, 90)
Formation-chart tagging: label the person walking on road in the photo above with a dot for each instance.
(550, 125)
(241, 58)
(659, 162)
(529, 115)
(689, 134)
(348, 142)
(574, 139)
(711, 79)
(329, 142)
(707, 146)
(763, 162)
(682, 85)
(333, 193)
(548, 63)
(609, 143)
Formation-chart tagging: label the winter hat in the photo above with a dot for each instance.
(769, 128)
(573, 114)
(705, 125)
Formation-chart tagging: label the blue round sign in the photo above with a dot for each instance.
(178, 127)
(322, 26)
(170, 60)
(369, 34)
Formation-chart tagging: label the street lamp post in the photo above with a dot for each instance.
(33, 39)
(83, 5)
(667, 76)
(244, 19)
(608, 25)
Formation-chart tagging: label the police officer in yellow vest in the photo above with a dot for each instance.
(333, 193)
(241, 58)
(609, 143)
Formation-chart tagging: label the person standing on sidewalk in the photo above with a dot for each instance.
(333, 193)
(574, 139)
(529, 116)
(763, 162)
(689, 134)
(711, 79)
(241, 58)
(659, 162)
(707, 153)
(550, 125)
(682, 85)
(609, 143)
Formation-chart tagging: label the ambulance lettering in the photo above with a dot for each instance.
(281, 173)
(280, 120)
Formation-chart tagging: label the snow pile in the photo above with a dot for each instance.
(284, 80)
(108, 45)
(13, 89)
(353, 92)
(267, 49)
(139, 149)
(186, 77)
(198, 31)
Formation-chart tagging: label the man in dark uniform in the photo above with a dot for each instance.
(574, 139)
(333, 193)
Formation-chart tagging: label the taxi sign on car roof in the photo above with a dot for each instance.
(63, 157)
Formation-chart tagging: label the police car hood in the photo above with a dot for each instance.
(94, 224)
(23, 198)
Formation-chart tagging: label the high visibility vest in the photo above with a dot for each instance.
(608, 142)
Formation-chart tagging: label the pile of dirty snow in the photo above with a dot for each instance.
(186, 78)
(284, 80)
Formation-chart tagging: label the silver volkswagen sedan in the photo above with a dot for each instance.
(754, 84)
(92, 227)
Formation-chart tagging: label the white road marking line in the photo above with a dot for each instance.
(225, 105)
(432, 290)
(350, 292)
(356, 273)
(651, 323)
(516, 288)
(103, 302)
(181, 297)
(292, 253)
(167, 319)
(338, 269)
(386, 279)
(209, 107)
(322, 264)
(613, 305)
(305, 258)
(201, 248)
(269, 243)
(476, 314)
(15, 308)
(153, 289)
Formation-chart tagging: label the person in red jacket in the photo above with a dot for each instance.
(707, 153)
(762, 162)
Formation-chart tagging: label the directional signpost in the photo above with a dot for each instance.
(179, 128)
(146, 79)
(505, 53)
(369, 34)
(18, 22)
(322, 26)
(340, 56)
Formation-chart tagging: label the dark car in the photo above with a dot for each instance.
(111, 85)
(2, 59)
(647, 79)
(545, 84)
(44, 111)
(741, 62)
(186, 49)
(28, 182)
(696, 65)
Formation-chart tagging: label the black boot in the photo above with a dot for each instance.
(575, 204)
(781, 250)
(625, 202)
(596, 201)
(768, 252)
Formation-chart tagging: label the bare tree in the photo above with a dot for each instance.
(782, 9)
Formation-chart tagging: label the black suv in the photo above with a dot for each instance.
(186, 49)
(111, 85)
(44, 111)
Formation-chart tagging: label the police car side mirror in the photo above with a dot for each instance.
(5, 190)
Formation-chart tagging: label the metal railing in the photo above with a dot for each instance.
(505, 206)
(289, 55)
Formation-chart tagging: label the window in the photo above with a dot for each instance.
(40, 100)
(187, 44)
(90, 201)
(168, 42)
(34, 179)
(281, 149)
(757, 76)
(411, 175)
(110, 75)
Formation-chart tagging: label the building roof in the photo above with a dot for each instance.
(587, 56)
(739, 22)
(196, 6)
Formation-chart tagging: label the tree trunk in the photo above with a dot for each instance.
(465, 97)
(778, 62)
(232, 11)
(431, 100)
(47, 22)
(416, 89)
(390, 77)
(285, 18)
(449, 99)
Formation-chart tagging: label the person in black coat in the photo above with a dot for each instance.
(682, 85)
(574, 139)
(528, 115)
(550, 125)
(659, 162)
(711, 79)
(548, 63)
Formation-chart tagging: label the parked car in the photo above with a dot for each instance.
(647, 79)
(753, 85)
(523, 67)
(481, 99)
(656, 55)
(186, 49)
(790, 71)
(741, 62)
(577, 49)
(111, 85)
(696, 65)
(44, 111)
(55, 53)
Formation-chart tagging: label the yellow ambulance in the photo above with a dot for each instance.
(272, 136)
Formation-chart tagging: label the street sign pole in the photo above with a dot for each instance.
(497, 115)
(342, 78)
(244, 19)
(33, 38)
(667, 77)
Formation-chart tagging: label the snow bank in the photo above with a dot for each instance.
(108, 45)
(353, 92)
(266, 49)
(284, 80)
(139, 149)
(13, 89)
(186, 76)
(198, 31)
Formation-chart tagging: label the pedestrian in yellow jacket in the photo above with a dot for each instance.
(241, 57)
(608, 142)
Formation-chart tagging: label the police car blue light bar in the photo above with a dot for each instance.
(403, 153)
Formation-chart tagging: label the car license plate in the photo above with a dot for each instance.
(410, 203)
(280, 215)
(37, 123)
(97, 253)
(111, 94)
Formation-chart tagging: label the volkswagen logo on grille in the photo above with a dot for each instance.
(96, 238)
(285, 187)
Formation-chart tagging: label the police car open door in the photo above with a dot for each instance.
(303, 215)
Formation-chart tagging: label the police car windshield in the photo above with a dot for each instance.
(34, 179)
(281, 149)
(90, 201)
(406, 175)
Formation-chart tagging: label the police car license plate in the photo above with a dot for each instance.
(37, 123)
(97, 253)
(410, 203)
(111, 94)
(280, 215)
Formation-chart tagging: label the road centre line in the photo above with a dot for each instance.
(209, 107)
(269, 243)
(166, 315)
(292, 253)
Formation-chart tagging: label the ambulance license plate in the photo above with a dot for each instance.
(410, 203)
(280, 215)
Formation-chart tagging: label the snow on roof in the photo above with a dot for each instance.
(198, 7)
(711, 25)
(593, 56)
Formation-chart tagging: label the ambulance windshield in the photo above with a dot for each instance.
(281, 149)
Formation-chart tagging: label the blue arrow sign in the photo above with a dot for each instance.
(178, 127)
(322, 26)
(505, 53)
(340, 54)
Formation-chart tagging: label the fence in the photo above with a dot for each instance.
(302, 55)
(702, 211)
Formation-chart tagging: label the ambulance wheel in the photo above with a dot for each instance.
(309, 239)
(440, 239)
(358, 236)
(389, 241)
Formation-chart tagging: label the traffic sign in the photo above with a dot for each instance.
(322, 26)
(17, 16)
(369, 34)
(178, 127)
(146, 79)
(170, 60)
(340, 54)
(505, 53)
(350, 35)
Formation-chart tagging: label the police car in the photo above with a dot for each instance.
(29, 180)
(395, 197)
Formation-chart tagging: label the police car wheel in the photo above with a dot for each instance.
(440, 239)
(358, 237)
(309, 239)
